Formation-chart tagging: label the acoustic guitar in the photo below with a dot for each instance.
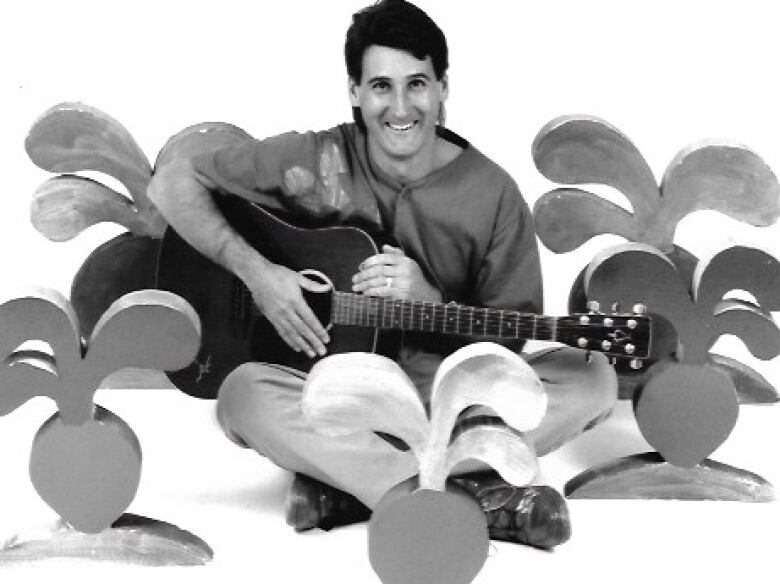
(234, 331)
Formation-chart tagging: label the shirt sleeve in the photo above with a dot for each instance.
(510, 276)
(307, 175)
(263, 171)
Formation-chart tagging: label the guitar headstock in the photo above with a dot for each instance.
(618, 335)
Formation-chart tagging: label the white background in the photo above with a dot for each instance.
(666, 74)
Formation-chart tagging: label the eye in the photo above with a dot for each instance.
(417, 84)
(380, 86)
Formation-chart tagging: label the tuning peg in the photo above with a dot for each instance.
(593, 306)
(636, 363)
(640, 309)
(615, 307)
(613, 360)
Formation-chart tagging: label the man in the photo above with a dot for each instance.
(463, 234)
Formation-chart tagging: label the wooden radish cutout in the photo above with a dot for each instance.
(86, 461)
(688, 406)
(72, 137)
(427, 530)
(722, 176)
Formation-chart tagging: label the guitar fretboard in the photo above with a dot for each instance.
(450, 318)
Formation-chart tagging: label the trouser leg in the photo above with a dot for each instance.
(580, 393)
(259, 406)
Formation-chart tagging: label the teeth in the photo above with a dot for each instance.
(401, 128)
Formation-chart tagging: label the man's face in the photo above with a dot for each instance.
(399, 99)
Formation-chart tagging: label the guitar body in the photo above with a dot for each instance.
(233, 332)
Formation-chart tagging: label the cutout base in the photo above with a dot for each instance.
(132, 539)
(648, 476)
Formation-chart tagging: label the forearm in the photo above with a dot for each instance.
(183, 197)
(184, 200)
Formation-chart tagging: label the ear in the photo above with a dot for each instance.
(353, 88)
(445, 87)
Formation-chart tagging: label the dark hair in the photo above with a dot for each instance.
(399, 25)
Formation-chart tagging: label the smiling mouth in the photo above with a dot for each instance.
(401, 127)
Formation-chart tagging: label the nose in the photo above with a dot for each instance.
(400, 104)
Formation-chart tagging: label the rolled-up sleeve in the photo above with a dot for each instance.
(256, 169)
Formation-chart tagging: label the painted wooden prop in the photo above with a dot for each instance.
(689, 406)
(649, 476)
(708, 175)
(86, 461)
(426, 530)
(72, 137)
(131, 540)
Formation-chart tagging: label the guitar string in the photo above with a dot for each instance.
(391, 313)
(478, 316)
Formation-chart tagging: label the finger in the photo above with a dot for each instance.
(290, 336)
(375, 273)
(375, 282)
(314, 332)
(389, 249)
(380, 259)
(379, 291)
(305, 337)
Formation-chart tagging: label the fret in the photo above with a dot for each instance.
(428, 311)
(398, 314)
(373, 311)
(387, 312)
(417, 316)
(471, 321)
(365, 311)
(406, 314)
(544, 328)
(335, 308)
(450, 322)
(381, 314)
(362, 310)
(479, 325)
(511, 320)
(490, 323)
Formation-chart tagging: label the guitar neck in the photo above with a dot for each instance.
(437, 317)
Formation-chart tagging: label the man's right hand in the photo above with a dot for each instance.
(277, 293)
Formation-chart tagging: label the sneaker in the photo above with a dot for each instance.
(311, 504)
(532, 515)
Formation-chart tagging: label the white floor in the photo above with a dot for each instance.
(196, 479)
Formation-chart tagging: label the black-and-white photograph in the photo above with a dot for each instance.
(398, 292)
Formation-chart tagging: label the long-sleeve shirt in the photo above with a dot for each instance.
(466, 224)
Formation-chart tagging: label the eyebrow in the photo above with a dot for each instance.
(419, 75)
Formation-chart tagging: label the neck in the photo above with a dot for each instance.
(405, 169)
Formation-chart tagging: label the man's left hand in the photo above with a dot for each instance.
(392, 273)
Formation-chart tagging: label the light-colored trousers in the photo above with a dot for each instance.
(258, 406)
